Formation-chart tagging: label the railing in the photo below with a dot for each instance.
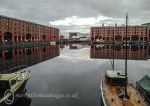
(143, 94)
(15, 69)
(23, 44)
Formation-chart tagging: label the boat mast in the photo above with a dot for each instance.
(113, 66)
(126, 77)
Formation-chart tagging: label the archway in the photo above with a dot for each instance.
(28, 51)
(19, 38)
(44, 49)
(15, 38)
(99, 47)
(118, 38)
(28, 37)
(43, 37)
(135, 38)
(8, 54)
(97, 38)
(8, 37)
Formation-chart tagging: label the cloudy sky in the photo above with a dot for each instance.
(77, 15)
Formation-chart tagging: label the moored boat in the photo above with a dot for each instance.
(115, 90)
(13, 82)
(143, 86)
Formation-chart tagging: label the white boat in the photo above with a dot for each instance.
(52, 43)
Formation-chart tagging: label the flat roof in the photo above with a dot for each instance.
(115, 74)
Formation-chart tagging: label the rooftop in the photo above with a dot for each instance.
(115, 74)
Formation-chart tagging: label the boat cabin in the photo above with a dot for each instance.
(115, 78)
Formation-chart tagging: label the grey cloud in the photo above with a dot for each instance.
(43, 11)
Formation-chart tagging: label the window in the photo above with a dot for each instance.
(13, 82)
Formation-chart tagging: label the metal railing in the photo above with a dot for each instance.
(15, 69)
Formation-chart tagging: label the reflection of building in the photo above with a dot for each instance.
(118, 52)
(118, 33)
(27, 56)
(14, 30)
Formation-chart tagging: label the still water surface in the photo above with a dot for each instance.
(70, 75)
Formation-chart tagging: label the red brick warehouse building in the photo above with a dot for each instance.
(15, 30)
(118, 33)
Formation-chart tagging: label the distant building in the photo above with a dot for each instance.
(62, 38)
(76, 36)
(118, 33)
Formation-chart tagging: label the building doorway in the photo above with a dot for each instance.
(28, 37)
(8, 37)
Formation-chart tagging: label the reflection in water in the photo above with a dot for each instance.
(23, 101)
(28, 56)
(118, 52)
(77, 46)
(73, 71)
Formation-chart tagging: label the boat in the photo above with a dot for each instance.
(115, 90)
(143, 86)
(13, 82)
(52, 43)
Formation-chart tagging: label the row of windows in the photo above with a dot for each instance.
(124, 38)
(141, 35)
(19, 23)
(121, 28)
(26, 29)
(118, 31)
(122, 33)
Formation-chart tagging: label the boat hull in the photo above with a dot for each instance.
(145, 94)
(19, 93)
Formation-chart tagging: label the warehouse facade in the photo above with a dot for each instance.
(118, 33)
(15, 30)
